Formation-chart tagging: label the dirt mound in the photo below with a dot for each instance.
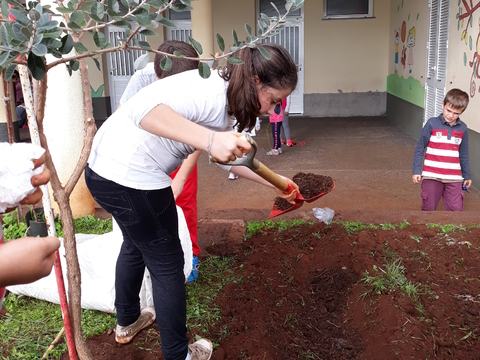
(304, 295)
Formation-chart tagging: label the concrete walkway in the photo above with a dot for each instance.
(370, 159)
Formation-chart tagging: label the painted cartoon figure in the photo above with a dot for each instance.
(397, 39)
(404, 56)
(475, 64)
(410, 45)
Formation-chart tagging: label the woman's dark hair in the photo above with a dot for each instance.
(279, 73)
(178, 65)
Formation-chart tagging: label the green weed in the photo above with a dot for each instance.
(255, 227)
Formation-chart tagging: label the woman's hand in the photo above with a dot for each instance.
(289, 196)
(227, 146)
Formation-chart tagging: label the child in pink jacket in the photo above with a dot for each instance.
(276, 119)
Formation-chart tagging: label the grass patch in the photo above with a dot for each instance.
(31, 325)
(85, 225)
(255, 227)
(391, 279)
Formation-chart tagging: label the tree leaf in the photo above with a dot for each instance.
(113, 6)
(141, 61)
(4, 35)
(165, 22)
(178, 54)
(196, 45)
(34, 15)
(148, 32)
(36, 65)
(3, 57)
(166, 63)
(221, 43)
(78, 18)
(265, 19)
(21, 17)
(235, 60)
(248, 29)
(99, 39)
(123, 24)
(97, 12)
(4, 7)
(235, 38)
(204, 70)
(144, 45)
(39, 50)
(273, 5)
(9, 72)
(67, 44)
(74, 64)
(63, 10)
(264, 52)
(97, 64)
(79, 47)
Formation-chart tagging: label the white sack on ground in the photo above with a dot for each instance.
(97, 256)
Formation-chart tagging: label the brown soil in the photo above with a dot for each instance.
(310, 186)
(302, 296)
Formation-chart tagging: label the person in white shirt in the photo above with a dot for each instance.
(144, 141)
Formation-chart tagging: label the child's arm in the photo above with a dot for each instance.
(464, 160)
(27, 259)
(246, 173)
(182, 174)
(419, 152)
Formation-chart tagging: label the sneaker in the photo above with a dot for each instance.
(194, 274)
(125, 334)
(232, 176)
(282, 141)
(273, 152)
(290, 142)
(200, 350)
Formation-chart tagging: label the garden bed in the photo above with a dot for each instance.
(344, 291)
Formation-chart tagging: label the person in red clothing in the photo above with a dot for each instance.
(446, 168)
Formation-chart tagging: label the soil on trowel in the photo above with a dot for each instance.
(310, 185)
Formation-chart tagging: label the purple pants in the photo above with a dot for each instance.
(433, 191)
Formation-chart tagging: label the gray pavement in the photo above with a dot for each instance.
(370, 159)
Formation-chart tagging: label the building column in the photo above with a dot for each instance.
(202, 25)
(64, 129)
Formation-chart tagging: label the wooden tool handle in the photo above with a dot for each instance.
(271, 177)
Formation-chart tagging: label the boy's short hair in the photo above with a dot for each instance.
(457, 98)
(178, 65)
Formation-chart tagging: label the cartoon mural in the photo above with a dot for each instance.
(403, 83)
(474, 63)
(410, 45)
(397, 39)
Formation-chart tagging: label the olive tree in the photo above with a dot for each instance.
(29, 32)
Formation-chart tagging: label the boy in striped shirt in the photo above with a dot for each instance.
(446, 166)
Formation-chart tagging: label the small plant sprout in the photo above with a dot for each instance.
(416, 238)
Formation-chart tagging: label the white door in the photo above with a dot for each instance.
(291, 38)
(436, 58)
(120, 65)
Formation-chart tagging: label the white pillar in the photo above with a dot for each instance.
(64, 129)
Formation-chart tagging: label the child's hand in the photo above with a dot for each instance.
(467, 183)
(289, 196)
(416, 178)
(27, 259)
(37, 180)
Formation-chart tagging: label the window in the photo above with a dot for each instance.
(346, 9)
(180, 15)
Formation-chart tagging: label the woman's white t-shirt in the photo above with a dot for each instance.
(125, 153)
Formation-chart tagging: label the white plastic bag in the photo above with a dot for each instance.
(324, 214)
(97, 257)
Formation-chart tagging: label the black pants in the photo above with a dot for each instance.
(149, 224)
